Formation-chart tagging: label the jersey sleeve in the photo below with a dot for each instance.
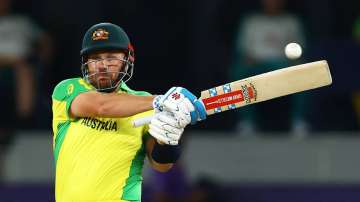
(65, 92)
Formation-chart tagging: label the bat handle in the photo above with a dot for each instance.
(142, 121)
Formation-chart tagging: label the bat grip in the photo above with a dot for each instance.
(142, 121)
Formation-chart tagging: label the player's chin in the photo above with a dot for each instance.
(101, 83)
(104, 83)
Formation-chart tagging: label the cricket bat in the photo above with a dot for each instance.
(262, 87)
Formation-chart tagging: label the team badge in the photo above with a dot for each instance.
(70, 89)
(100, 34)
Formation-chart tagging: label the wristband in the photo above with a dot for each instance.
(165, 153)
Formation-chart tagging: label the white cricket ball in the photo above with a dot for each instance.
(293, 51)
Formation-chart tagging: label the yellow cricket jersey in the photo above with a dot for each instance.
(97, 159)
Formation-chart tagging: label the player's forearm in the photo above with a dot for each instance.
(124, 105)
(109, 105)
(161, 167)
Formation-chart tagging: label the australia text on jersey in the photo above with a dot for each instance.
(99, 125)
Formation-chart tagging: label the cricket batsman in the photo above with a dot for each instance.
(99, 155)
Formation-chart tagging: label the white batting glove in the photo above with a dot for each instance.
(167, 127)
(181, 109)
(177, 95)
(157, 105)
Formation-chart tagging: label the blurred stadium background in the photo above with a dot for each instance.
(191, 44)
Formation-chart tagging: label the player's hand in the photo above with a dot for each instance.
(167, 127)
(177, 95)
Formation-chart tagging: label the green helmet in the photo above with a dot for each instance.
(107, 37)
(104, 36)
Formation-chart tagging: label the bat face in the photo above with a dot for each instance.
(228, 96)
(266, 86)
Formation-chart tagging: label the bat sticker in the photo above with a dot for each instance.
(249, 93)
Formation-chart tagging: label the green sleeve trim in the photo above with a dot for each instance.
(133, 92)
(132, 188)
(60, 136)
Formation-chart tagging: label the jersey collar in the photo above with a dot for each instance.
(123, 87)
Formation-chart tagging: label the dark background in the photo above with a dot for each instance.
(189, 44)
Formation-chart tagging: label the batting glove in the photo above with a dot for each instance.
(167, 127)
(177, 95)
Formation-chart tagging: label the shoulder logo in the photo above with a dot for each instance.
(70, 89)
(100, 34)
